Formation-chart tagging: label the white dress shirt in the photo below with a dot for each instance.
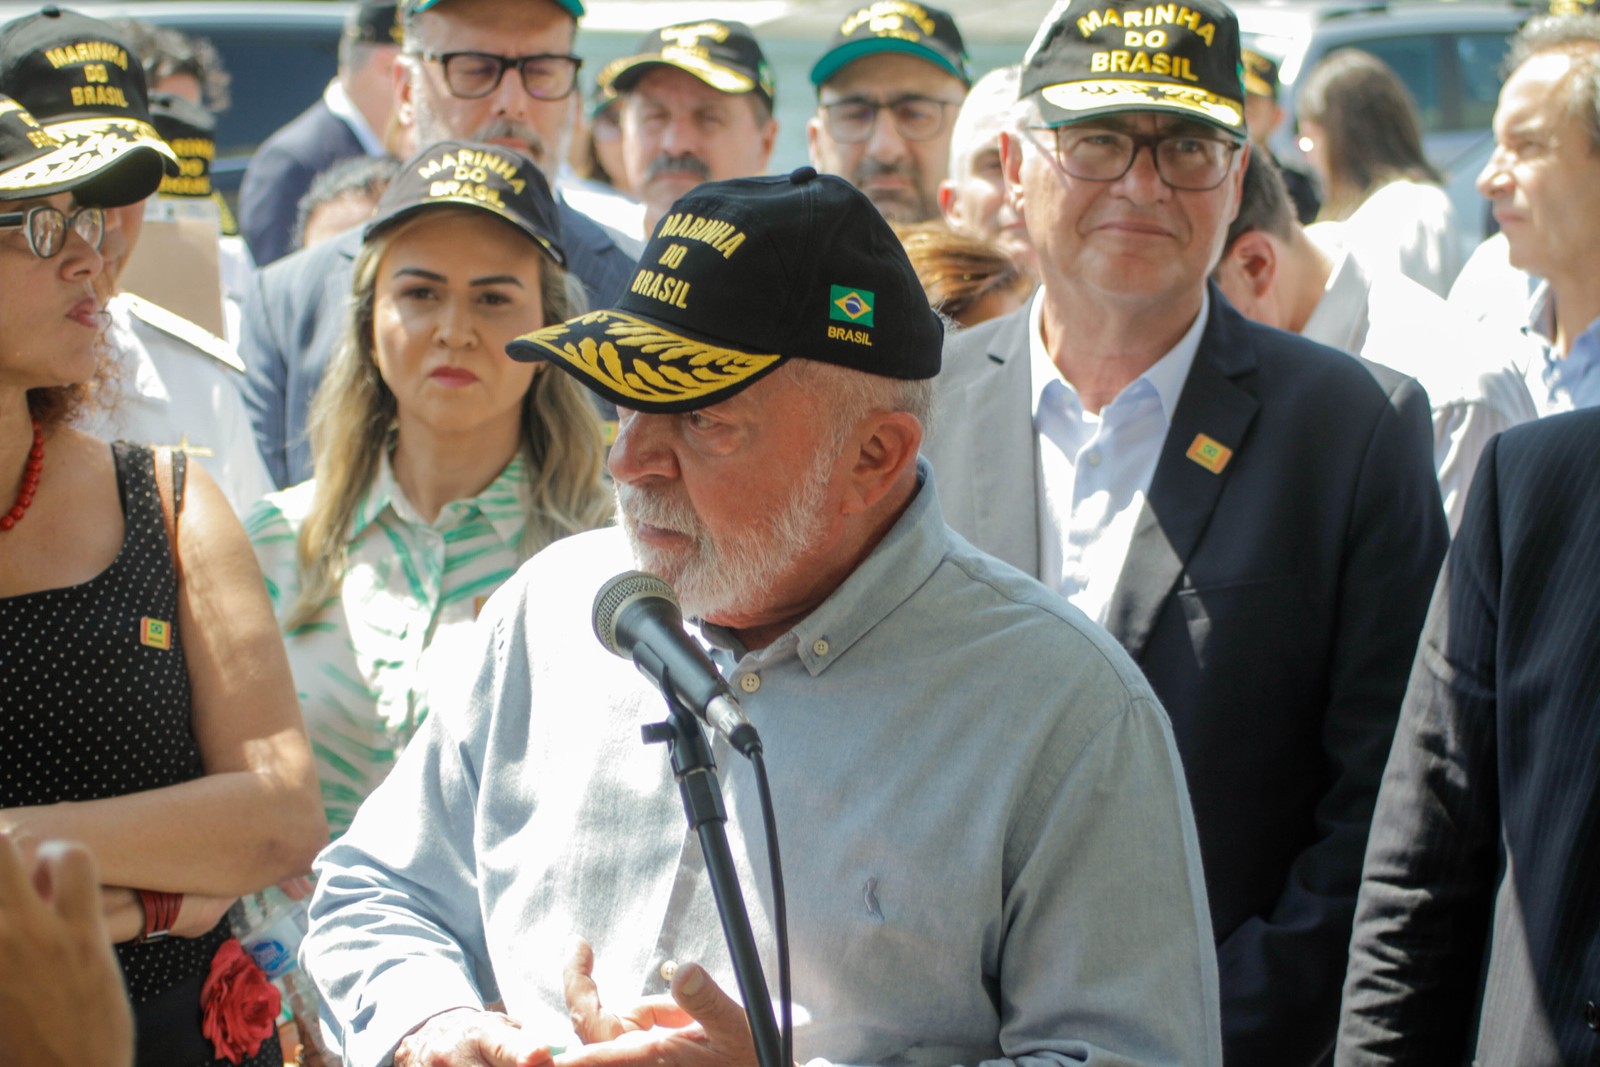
(1095, 468)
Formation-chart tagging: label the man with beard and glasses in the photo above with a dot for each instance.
(495, 71)
(973, 844)
(888, 89)
(696, 103)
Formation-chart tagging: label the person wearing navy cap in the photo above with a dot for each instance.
(501, 72)
(987, 862)
(178, 383)
(696, 105)
(888, 88)
(1252, 515)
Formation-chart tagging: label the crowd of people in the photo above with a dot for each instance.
(1159, 581)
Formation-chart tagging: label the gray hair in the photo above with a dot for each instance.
(1579, 37)
(852, 395)
(991, 102)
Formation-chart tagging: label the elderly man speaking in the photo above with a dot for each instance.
(985, 860)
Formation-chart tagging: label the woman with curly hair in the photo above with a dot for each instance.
(147, 711)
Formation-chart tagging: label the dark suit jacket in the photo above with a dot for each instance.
(1484, 863)
(294, 314)
(1273, 605)
(281, 171)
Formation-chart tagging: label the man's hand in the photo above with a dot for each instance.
(699, 1026)
(467, 1037)
(57, 970)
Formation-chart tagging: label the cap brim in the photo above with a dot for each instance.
(572, 7)
(832, 62)
(1256, 85)
(1076, 101)
(378, 225)
(643, 365)
(104, 162)
(623, 74)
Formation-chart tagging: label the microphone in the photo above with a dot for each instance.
(636, 616)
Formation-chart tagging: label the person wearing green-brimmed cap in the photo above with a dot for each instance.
(903, 63)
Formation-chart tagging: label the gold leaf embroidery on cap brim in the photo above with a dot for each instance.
(83, 156)
(644, 362)
(1082, 96)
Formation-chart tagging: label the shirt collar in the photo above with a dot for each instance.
(344, 109)
(908, 554)
(502, 503)
(1166, 376)
(1340, 318)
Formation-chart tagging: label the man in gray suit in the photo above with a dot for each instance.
(1253, 515)
(498, 71)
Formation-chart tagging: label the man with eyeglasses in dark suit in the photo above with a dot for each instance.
(888, 89)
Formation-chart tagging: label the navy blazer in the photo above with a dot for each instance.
(295, 312)
(1480, 900)
(1274, 605)
(282, 170)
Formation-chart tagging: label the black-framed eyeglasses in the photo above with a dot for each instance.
(471, 75)
(1183, 160)
(47, 227)
(916, 118)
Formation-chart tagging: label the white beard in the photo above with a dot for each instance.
(732, 574)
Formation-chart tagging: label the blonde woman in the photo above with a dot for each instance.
(441, 464)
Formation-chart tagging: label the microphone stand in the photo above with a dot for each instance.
(696, 773)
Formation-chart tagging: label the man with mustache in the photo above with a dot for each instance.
(495, 71)
(696, 103)
(1254, 516)
(888, 89)
(974, 844)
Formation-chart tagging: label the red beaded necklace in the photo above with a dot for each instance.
(30, 480)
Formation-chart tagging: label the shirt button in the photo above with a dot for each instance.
(1591, 1015)
(750, 682)
(668, 969)
(1093, 459)
(819, 647)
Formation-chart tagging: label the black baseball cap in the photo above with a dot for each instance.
(80, 80)
(1104, 57)
(739, 276)
(572, 7)
(1260, 74)
(191, 132)
(724, 55)
(504, 183)
(372, 22)
(896, 26)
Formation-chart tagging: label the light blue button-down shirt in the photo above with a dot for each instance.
(1095, 468)
(1561, 383)
(987, 842)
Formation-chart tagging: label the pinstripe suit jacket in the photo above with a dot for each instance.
(1483, 866)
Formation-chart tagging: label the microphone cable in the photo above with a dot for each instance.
(780, 907)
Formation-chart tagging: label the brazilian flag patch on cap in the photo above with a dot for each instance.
(851, 305)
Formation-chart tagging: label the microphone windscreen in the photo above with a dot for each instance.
(626, 588)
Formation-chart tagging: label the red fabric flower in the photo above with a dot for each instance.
(239, 1005)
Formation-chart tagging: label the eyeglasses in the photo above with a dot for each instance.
(471, 75)
(1183, 160)
(916, 118)
(47, 227)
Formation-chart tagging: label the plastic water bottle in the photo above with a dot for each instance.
(271, 926)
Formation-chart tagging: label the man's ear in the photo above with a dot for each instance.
(1247, 274)
(405, 112)
(883, 447)
(1011, 169)
(813, 131)
(947, 200)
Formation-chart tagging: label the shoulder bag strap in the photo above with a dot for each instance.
(170, 470)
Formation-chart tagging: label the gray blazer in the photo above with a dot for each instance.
(1274, 607)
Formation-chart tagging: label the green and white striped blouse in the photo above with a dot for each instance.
(411, 592)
